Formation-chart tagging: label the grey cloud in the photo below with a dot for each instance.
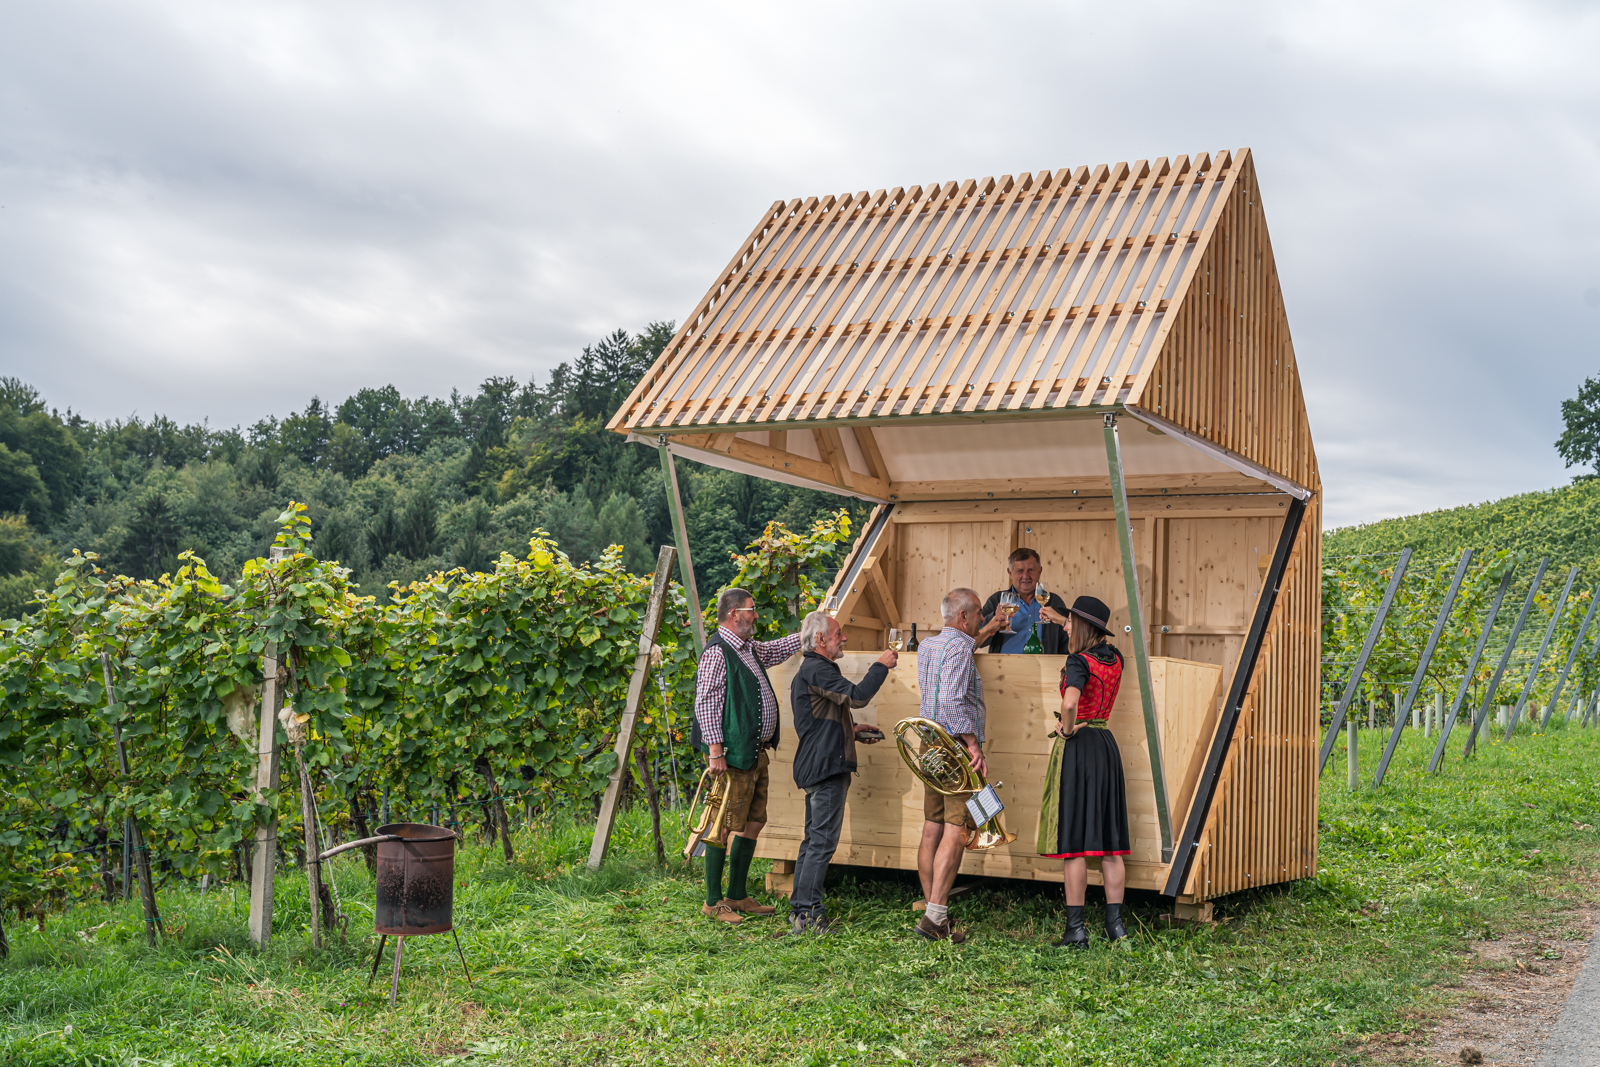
(217, 210)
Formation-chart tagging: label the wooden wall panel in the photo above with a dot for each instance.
(933, 558)
(1263, 824)
(883, 819)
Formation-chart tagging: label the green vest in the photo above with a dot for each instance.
(741, 709)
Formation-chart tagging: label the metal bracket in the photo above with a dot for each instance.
(1139, 634)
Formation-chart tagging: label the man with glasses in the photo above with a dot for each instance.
(736, 725)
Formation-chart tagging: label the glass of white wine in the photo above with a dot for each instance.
(1009, 604)
(895, 641)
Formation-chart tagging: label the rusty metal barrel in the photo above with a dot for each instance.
(416, 873)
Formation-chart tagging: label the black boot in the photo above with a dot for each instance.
(1114, 928)
(1076, 936)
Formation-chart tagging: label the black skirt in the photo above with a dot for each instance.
(1090, 801)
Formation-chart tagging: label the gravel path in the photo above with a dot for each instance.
(1575, 1040)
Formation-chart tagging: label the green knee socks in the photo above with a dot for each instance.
(715, 858)
(741, 850)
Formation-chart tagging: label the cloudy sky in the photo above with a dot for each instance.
(217, 210)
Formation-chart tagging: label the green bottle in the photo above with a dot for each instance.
(1033, 647)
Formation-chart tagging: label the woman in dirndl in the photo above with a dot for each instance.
(1084, 815)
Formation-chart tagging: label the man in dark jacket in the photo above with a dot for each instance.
(1049, 611)
(821, 699)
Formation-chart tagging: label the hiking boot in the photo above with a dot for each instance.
(929, 930)
(810, 924)
(721, 912)
(1075, 936)
(1114, 928)
(748, 905)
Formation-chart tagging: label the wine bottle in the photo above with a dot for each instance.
(1033, 646)
(911, 645)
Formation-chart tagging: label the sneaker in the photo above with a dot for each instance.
(721, 912)
(932, 931)
(748, 905)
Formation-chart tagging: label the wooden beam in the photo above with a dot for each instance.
(1018, 488)
(876, 467)
(880, 582)
(630, 708)
(831, 446)
(764, 456)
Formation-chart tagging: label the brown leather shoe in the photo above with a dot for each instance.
(721, 912)
(747, 905)
(932, 931)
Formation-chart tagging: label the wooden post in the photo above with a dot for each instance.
(680, 532)
(264, 859)
(630, 710)
(308, 816)
(1352, 753)
(132, 840)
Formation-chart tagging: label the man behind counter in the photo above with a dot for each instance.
(1050, 613)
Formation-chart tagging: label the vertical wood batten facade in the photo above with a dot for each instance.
(948, 352)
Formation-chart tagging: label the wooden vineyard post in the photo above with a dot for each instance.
(1505, 658)
(133, 841)
(1360, 667)
(308, 818)
(1402, 708)
(630, 710)
(1538, 659)
(264, 860)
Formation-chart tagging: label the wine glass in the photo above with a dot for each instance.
(1009, 603)
(894, 640)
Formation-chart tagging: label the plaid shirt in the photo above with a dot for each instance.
(947, 675)
(711, 677)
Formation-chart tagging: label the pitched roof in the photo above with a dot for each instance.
(1023, 294)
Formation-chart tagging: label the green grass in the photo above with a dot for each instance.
(619, 967)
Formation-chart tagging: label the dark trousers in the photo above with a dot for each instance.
(824, 820)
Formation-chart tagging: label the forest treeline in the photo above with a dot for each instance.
(396, 487)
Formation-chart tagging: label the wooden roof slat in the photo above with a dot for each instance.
(1089, 280)
(1096, 372)
(774, 213)
(767, 303)
(1138, 325)
(794, 216)
(985, 290)
(874, 270)
(808, 320)
(914, 234)
(1232, 166)
(818, 298)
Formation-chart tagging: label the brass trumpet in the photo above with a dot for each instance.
(942, 764)
(712, 798)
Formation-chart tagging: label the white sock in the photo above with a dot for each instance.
(938, 913)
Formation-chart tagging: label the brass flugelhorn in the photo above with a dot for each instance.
(943, 765)
(711, 796)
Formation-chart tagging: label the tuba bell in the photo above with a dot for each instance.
(942, 764)
(711, 798)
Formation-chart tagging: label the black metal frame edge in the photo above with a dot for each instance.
(1206, 788)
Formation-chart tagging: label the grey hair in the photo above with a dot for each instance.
(813, 629)
(955, 600)
(731, 598)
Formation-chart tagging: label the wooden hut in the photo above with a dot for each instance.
(1094, 362)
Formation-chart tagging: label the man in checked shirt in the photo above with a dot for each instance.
(952, 696)
(736, 723)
